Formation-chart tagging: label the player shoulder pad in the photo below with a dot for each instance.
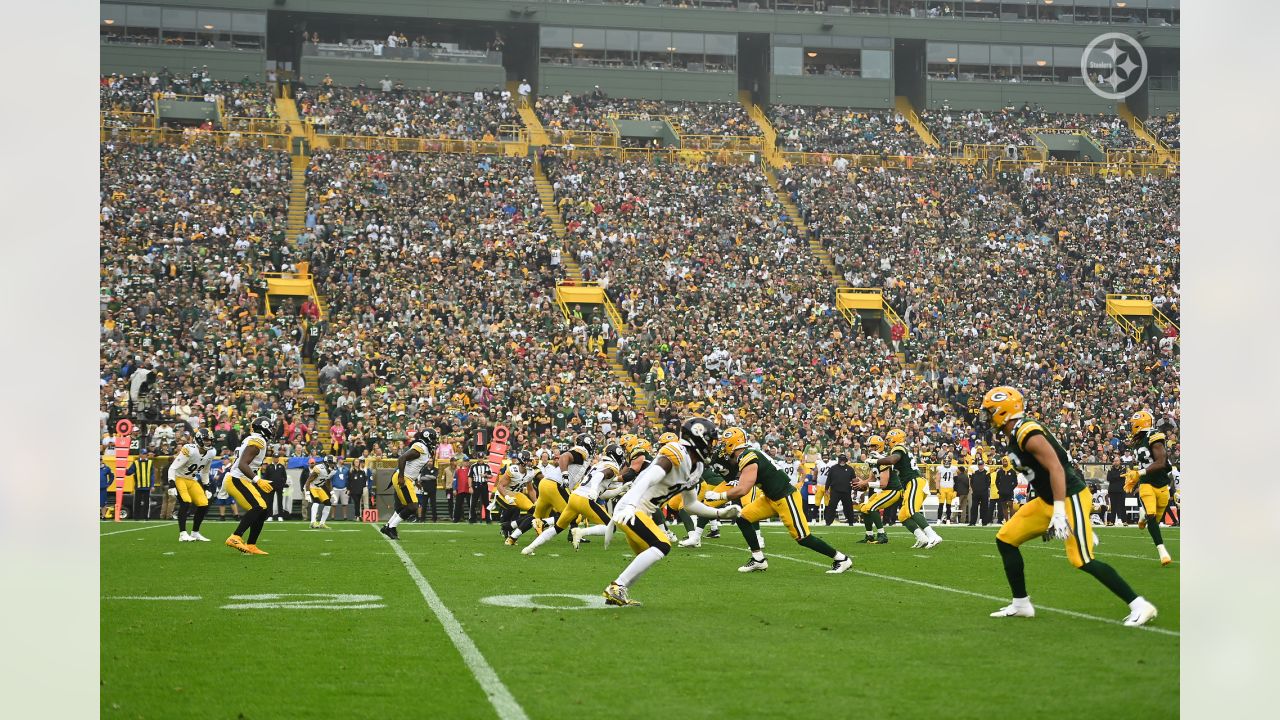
(901, 450)
(1155, 437)
(257, 441)
(579, 454)
(677, 455)
(750, 457)
(421, 447)
(1025, 429)
(610, 465)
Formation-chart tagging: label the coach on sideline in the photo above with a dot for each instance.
(840, 489)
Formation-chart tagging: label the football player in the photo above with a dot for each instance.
(885, 488)
(946, 489)
(321, 489)
(677, 469)
(1151, 478)
(513, 505)
(602, 482)
(409, 467)
(560, 477)
(751, 467)
(911, 513)
(191, 462)
(1060, 511)
(240, 484)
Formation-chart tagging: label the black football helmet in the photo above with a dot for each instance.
(204, 438)
(429, 437)
(615, 452)
(524, 458)
(587, 443)
(264, 427)
(698, 434)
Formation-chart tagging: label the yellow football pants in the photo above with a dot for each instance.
(643, 533)
(406, 493)
(912, 499)
(787, 509)
(319, 495)
(191, 491)
(819, 495)
(1033, 519)
(1154, 500)
(551, 496)
(946, 495)
(244, 492)
(579, 506)
(520, 502)
(880, 500)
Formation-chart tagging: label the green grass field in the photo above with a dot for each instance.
(338, 626)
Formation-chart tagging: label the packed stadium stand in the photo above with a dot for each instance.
(406, 113)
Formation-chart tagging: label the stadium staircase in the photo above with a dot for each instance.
(1138, 316)
(297, 197)
(312, 376)
(796, 218)
(770, 153)
(537, 133)
(1140, 129)
(903, 105)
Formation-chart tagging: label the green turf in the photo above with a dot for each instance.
(709, 642)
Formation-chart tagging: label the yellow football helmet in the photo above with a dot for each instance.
(640, 446)
(667, 437)
(1002, 404)
(628, 441)
(731, 438)
(1141, 421)
(876, 442)
(896, 437)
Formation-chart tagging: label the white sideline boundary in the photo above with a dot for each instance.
(136, 529)
(504, 703)
(958, 591)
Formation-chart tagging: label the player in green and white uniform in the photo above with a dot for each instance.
(752, 468)
(911, 514)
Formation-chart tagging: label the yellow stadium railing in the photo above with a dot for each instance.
(582, 138)
(189, 137)
(254, 124)
(722, 142)
(125, 118)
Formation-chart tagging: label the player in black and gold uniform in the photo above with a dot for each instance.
(515, 509)
(320, 487)
(1151, 477)
(409, 468)
(1060, 510)
(751, 467)
(911, 514)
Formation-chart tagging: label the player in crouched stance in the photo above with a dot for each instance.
(602, 481)
(750, 467)
(677, 469)
(1038, 455)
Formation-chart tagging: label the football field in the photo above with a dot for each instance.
(450, 623)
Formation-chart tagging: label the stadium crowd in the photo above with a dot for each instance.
(135, 92)
(845, 130)
(1009, 127)
(591, 112)
(393, 112)
(1004, 280)
(1166, 127)
(185, 233)
(439, 274)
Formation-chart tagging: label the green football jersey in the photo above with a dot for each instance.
(905, 468)
(1142, 456)
(771, 481)
(1024, 463)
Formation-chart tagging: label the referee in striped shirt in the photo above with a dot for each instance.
(143, 471)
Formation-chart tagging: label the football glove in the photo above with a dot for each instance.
(623, 514)
(712, 495)
(1131, 479)
(509, 499)
(173, 492)
(1058, 528)
(590, 494)
(728, 512)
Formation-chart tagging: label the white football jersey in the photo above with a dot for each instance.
(189, 464)
(947, 476)
(254, 440)
(594, 482)
(577, 466)
(823, 469)
(413, 468)
(685, 474)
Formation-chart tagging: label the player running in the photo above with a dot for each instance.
(409, 467)
(602, 482)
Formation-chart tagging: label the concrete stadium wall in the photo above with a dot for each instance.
(1160, 102)
(414, 75)
(233, 65)
(650, 84)
(833, 91)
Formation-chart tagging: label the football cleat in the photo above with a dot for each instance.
(713, 534)
(1145, 613)
(526, 550)
(185, 536)
(322, 526)
(1165, 559)
(618, 595)
(198, 537)
(537, 526)
(881, 539)
(671, 535)
(865, 540)
(919, 543)
(1012, 610)
(754, 565)
(255, 550)
(314, 525)
(933, 542)
(235, 542)
(841, 566)
(509, 541)
(390, 532)
(693, 541)
(575, 536)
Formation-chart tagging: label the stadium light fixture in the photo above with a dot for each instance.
(208, 27)
(1048, 2)
(577, 46)
(1042, 63)
(671, 49)
(1122, 4)
(108, 21)
(812, 54)
(951, 59)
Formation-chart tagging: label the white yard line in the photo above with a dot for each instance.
(499, 696)
(175, 598)
(958, 591)
(135, 529)
(1050, 546)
